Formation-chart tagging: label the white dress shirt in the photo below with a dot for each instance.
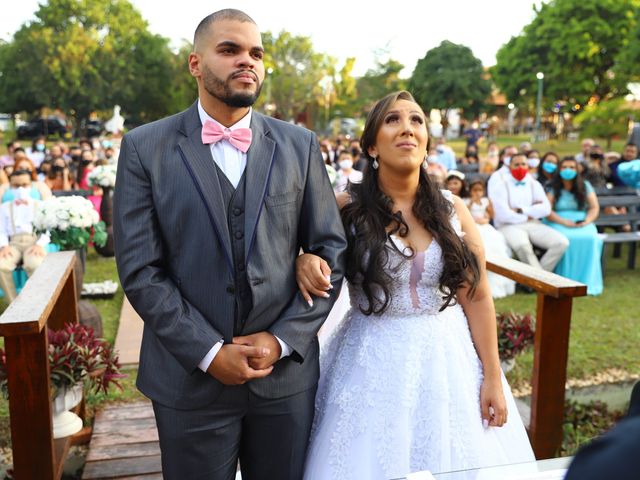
(507, 194)
(232, 162)
(22, 220)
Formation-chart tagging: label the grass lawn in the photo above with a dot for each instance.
(605, 329)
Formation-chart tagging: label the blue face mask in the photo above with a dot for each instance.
(40, 147)
(549, 167)
(568, 174)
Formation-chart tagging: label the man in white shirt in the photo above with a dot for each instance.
(17, 240)
(519, 202)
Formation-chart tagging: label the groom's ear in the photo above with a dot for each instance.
(194, 64)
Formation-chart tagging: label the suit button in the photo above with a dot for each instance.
(241, 267)
(238, 235)
(231, 290)
(237, 211)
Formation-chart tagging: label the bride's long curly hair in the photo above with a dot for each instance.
(369, 220)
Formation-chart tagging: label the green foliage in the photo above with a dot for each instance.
(628, 59)
(86, 55)
(584, 422)
(575, 44)
(384, 78)
(450, 76)
(294, 86)
(605, 119)
(74, 238)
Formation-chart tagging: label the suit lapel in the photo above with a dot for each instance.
(258, 171)
(199, 162)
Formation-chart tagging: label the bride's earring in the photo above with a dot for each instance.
(425, 164)
(375, 164)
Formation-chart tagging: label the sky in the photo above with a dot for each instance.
(406, 30)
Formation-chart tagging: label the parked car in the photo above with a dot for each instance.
(46, 126)
(5, 122)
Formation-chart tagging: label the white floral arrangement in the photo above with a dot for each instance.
(103, 176)
(71, 221)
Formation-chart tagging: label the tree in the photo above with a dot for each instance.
(85, 55)
(294, 85)
(628, 59)
(605, 119)
(450, 76)
(377, 82)
(575, 44)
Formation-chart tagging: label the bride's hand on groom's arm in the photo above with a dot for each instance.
(232, 364)
(313, 276)
(492, 403)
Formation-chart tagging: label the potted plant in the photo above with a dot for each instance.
(104, 176)
(77, 360)
(72, 223)
(515, 333)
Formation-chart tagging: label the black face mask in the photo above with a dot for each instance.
(597, 156)
(57, 169)
(75, 158)
(355, 152)
(86, 162)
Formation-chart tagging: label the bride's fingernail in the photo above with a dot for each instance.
(326, 295)
(310, 302)
(485, 423)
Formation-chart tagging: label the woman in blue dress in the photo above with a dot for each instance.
(574, 209)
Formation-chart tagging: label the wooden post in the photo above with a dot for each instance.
(30, 406)
(65, 309)
(551, 348)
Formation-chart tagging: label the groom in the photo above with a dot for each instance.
(212, 207)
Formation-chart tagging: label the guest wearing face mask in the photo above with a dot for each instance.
(346, 173)
(519, 203)
(575, 208)
(87, 164)
(533, 160)
(595, 168)
(38, 190)
(435, 169)
(489, 164)
(548, 166)
(17, 240)
(58, 178)
(38, 151)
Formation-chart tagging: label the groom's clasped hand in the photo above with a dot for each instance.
(247, 358)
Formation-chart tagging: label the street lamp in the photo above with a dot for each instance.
(540, 77)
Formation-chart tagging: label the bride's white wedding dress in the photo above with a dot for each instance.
(400, 392)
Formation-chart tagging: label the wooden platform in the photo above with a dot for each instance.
(124, 444)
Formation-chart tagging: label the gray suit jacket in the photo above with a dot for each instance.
(174, 256)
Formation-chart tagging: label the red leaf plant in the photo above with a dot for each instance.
(76, 355)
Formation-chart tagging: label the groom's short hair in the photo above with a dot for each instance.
(227, 14)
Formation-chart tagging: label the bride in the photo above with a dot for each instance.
(410, 379)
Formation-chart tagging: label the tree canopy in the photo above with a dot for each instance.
(450, 76)
(576, 44)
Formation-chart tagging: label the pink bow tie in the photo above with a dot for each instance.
(239, 138)
(20, 202)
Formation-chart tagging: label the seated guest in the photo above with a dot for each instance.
(38, 150)
(494, 243)
(17, 241)
(629, 153)
(39, 191)
(445, 155)
(586, 146)
(346, 173)
(533, 159)
(7, 159)
(595, 169)
(519, 203)
(58, 176)
(455, 184)
(614, 455)
(548, 166)
(575, 208)
(435, 169)
(489, 164)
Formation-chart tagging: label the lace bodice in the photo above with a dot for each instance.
(415, 286)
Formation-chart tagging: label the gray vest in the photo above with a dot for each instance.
(234, 209)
